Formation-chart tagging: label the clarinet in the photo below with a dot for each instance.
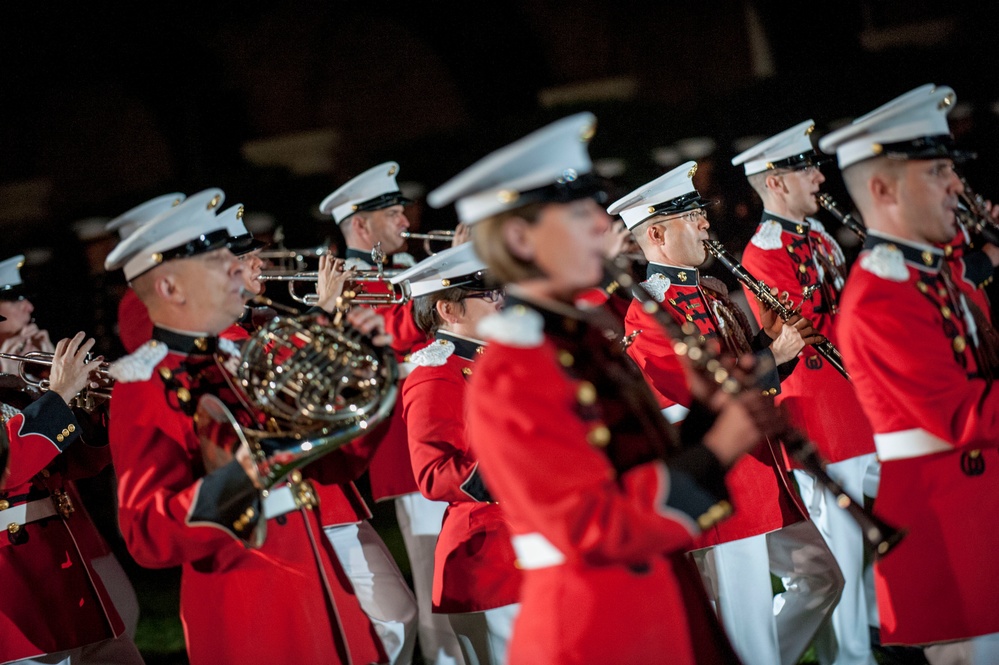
(844, 218)
(759, 288)
(705, 358)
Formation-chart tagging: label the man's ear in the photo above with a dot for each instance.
(360, 228)
(775, 183)
(518, 238)
(883, 188)
(168, 288)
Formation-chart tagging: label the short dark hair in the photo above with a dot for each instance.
(425, 308)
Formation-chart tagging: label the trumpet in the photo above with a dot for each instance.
(846, 219)
(704, 358)
(762, 293)
(88, 397)
(428, 237)
(290, 261)
(355, 288)
(973, 213)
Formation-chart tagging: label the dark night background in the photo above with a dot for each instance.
(103, 106)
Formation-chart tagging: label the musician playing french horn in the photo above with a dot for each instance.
(180, 507)
(769, 532)
(791, 251)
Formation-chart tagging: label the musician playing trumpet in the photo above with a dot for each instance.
(791, 251)
(769, 531)
(19, 334)
(65, 597)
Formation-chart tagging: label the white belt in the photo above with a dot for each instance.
(279, 502)
(909, 443)
(29, 512)
(535, 551)
(675, 413)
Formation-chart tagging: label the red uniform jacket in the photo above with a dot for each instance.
(134, 326)
(51, 599)
(391, 472)
(791, 256)
(761, 490)
(570, 443)
(172, 513)
(906, 338)
(474, 564)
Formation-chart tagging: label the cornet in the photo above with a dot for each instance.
(973, 213)
(88, 396)
(430, 236)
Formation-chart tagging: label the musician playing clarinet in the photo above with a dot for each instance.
(915, 357)
(602, 494)
(792, 252)
(770, 531)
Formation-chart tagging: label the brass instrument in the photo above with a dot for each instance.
(974, 214)
(844, 218)
(704, 358)
(316, 383)
(430, 236)
(760, 289)
(355, 290)
(88, 399)
(283, 261)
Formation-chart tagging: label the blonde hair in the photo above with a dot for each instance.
(490, 245)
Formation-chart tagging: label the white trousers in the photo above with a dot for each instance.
(420, 522)
(484, 636)
(847, 640)
(119, 651)
(381, 589)
(764, 628)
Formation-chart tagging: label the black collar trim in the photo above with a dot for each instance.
(794, 228)
(920, 257)
(464, 347)
(192, 345)
(677, 276)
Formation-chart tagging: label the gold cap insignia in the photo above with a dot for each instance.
(239, 212)
(811, 128)
(507, 195)
(392, 170)
(946, 101)
(588, 132)
(214, 202)
(692, 171)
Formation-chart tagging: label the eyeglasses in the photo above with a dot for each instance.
(693, 216)
(493, 296)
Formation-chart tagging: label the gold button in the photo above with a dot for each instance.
(59, 438)
(201, 343)
(773, 391)
(945, 311)
(586, 394)
(922, 287)
(690, 318)
(4, 504)
(959, 344)
(948, 250)
(71, 428)
(296, 476)
(467, 371)
(565, 359)
(974, 454)
(799, 228)
(250, 512)
(802, 269)
(790, 250)
(166, 373)
(13, 527)
(45, 473)
(672, 301)
(599, 436)
(183, 394)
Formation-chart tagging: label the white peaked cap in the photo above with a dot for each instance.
(673, 192)
(792, 148)
(10, 272)
(191, 226)
(911, 126)
(374, 189)
(511, 176)
(128, 221)
(455, 266)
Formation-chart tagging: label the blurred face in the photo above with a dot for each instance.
(475, 307)
(385, 226)
(252, 266)
(568, 244)
(18, 313)
(800, 189)
(683, 238)
(927, 197)
(212, 287)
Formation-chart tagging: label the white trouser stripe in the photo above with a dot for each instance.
(909, 443)
(534, 551)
